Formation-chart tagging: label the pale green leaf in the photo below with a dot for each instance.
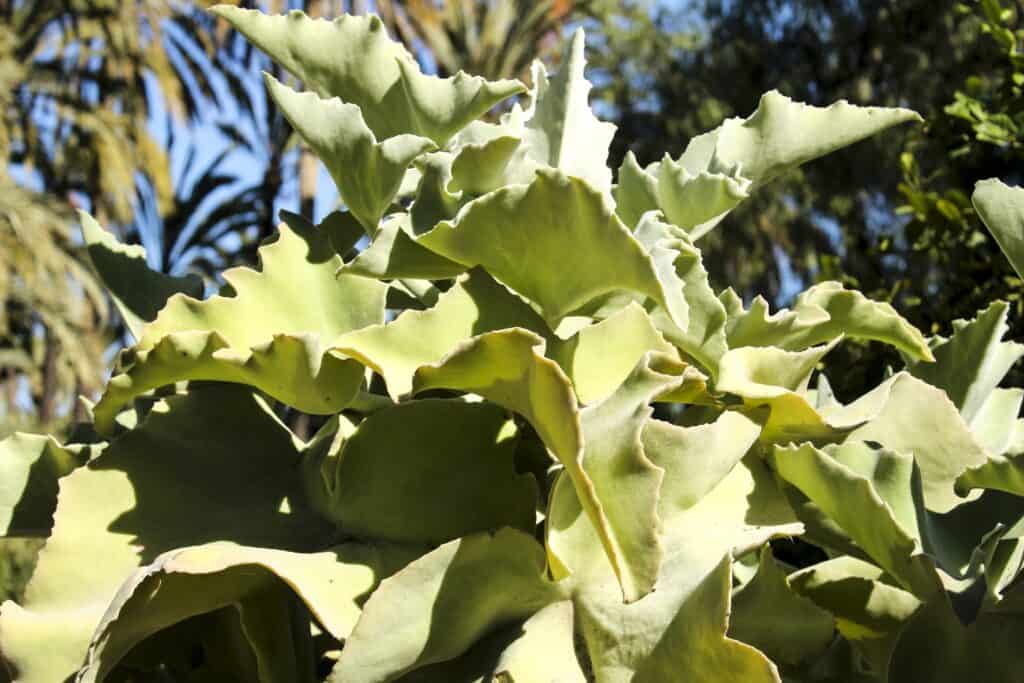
(353, 58)
(30, 467)
(475, 304)
(636, 192)
(271, 334)
(821, 314)
(138, 290)
(376, 481)
(439, 605)
(366, 172)
(181, 584)
(171, 482)
(522, 233)
(697, 202)
(852, 500)
(545, 651)
(395, 254)
(767, 614)
(626, 482)
(970, 364)
(1001, 209)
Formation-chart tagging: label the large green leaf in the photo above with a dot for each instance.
(272, 333)
(767, 614)
(626, 482)
(30, 466)
(1001, 209)
(970, 364)
(599, 357)
(697, 201)
(353, 58)
(636, 192)
(398, 477)
(521, 234)
(782, 134)
(394, 254)
(211, 465)
(138, 291)
(438, 606)
(563, 133)
(367, 173)
(821, 314)
(181, 584)
(833, 480)
(473, 305)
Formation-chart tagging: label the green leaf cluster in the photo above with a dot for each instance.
(547, 449)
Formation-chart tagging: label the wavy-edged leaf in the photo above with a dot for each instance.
(272, 333)
(171, 482)
(636, 192)
(398, 477)
(395, 254)
(473, 305)
(782, 134)
(697, 202)
(353, 58)
(522, 233)
(30, 465)
(767, 614)
(366, 172)
(866, 606)
(439, 605)
(973, 361)
(626, 482)
(546, 649)
(187, 582)
(138, 291)
(940, 441)
(481, 167)
(853, 501)
(703, 337)
(1001, 209)
(563, 133)
(599, 357)
(821, 314)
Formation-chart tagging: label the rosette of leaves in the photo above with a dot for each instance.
(549, 450)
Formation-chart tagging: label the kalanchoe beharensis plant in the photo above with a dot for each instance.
(491, 497)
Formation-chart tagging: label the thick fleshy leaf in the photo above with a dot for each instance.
(852, 500)
(522, 233)
(821, 314)
(782, 134)
(395, 254)
(599, 357)
(353, 58)
(970, 364)
(676, 632)
(434, 203)
(857, 593)
(481, 167)
(272, 333)
(996, 425)
(398, 477)
(636, 192)
(546, 650)
(774, 378)
(509, 368)
(626, 482)
(697, 202)
(704, 336)
(563, 133)
(439, 605)
(171, 482)
(940, 441)
(366, 172)
(767, 614)
(475, 304)
(138, 291)
(1001, 209)
(30, 465)
(184, 583)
